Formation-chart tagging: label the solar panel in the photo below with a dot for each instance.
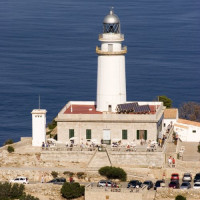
(133, 108)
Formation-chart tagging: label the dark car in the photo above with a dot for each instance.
(159, 184)
(134, 183)
(185, 185)
(174, 184)
(175, 177)
(149, 184)
(197, 178)
(58, 181)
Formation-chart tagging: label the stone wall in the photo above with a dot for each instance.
(102, 194)
(170, 194)
(137, 159)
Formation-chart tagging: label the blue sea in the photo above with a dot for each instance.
(47, 48)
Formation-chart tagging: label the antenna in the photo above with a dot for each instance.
(39, 102)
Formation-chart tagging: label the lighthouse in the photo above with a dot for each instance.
(111, 78)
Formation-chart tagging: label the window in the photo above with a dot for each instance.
(164, 124)
(71, 133)
(124, 135)
(194, 131)
(141, 134)
(88, 134)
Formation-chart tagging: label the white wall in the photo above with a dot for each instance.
(38, 127)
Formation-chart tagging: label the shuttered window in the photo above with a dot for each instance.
(124, 134)
(71, 133)
(88, 134)
(141, 134)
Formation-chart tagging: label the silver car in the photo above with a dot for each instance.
(187, 177)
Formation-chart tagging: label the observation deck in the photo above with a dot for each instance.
(110, 53)
(105, 37)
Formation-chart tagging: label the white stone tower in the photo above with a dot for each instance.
(38, 127)
(111, 78)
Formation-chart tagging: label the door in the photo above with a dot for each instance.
(106, 136)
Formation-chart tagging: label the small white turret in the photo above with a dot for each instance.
(38, 127)
(111, 78)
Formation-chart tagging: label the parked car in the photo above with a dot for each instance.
(185, 185)
(174, 184)
(58, 181)
(187, 177)
(149, 184)
(175, 177)
(134, 183)
(103, 183)
(159, 183)
(197, 178)
(196, 185)
(21, 179)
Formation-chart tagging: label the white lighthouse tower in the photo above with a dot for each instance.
(38, 127)
(111, 78)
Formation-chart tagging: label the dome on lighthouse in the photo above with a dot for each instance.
(111, 23)
(111, 18)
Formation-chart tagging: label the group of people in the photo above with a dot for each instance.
(171, 162)
(46, 145)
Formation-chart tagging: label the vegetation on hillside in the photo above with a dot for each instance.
(9, 141)
(190, 111)
(72, 190)
(113, 173)
(10, 191)
(10, 149)
(180, 197)
(166, 101)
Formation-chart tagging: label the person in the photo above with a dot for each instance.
(71, 179)
(173, 162)
(170, 161)
(42, 179)
(43, 145)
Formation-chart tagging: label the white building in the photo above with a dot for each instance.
(170, 117)
(111, 117)
(38, 127)
(188, 131)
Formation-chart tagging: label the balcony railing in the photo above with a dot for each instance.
(101, 52)
(111, 37)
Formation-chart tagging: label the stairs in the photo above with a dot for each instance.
(100, 159)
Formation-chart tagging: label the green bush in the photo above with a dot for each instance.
(11, 191)
(52, 125)
(28, 197)
(80, 175)
(54, 174)
(198, 148)
(9, 141)
(113, 173)
(10, 149)
(72, 190)
(180, 197)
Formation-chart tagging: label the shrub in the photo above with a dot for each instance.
(17, 190)
(198, 148)
(9, 141)
(52, 125)
(180, 197)
(113, 173)
(80, 175)
(28, 197)
(72, 190)
(10, 149)
(54, 174)
(8, 191)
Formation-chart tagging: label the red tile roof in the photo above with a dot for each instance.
(82, 109)
(91, 109)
